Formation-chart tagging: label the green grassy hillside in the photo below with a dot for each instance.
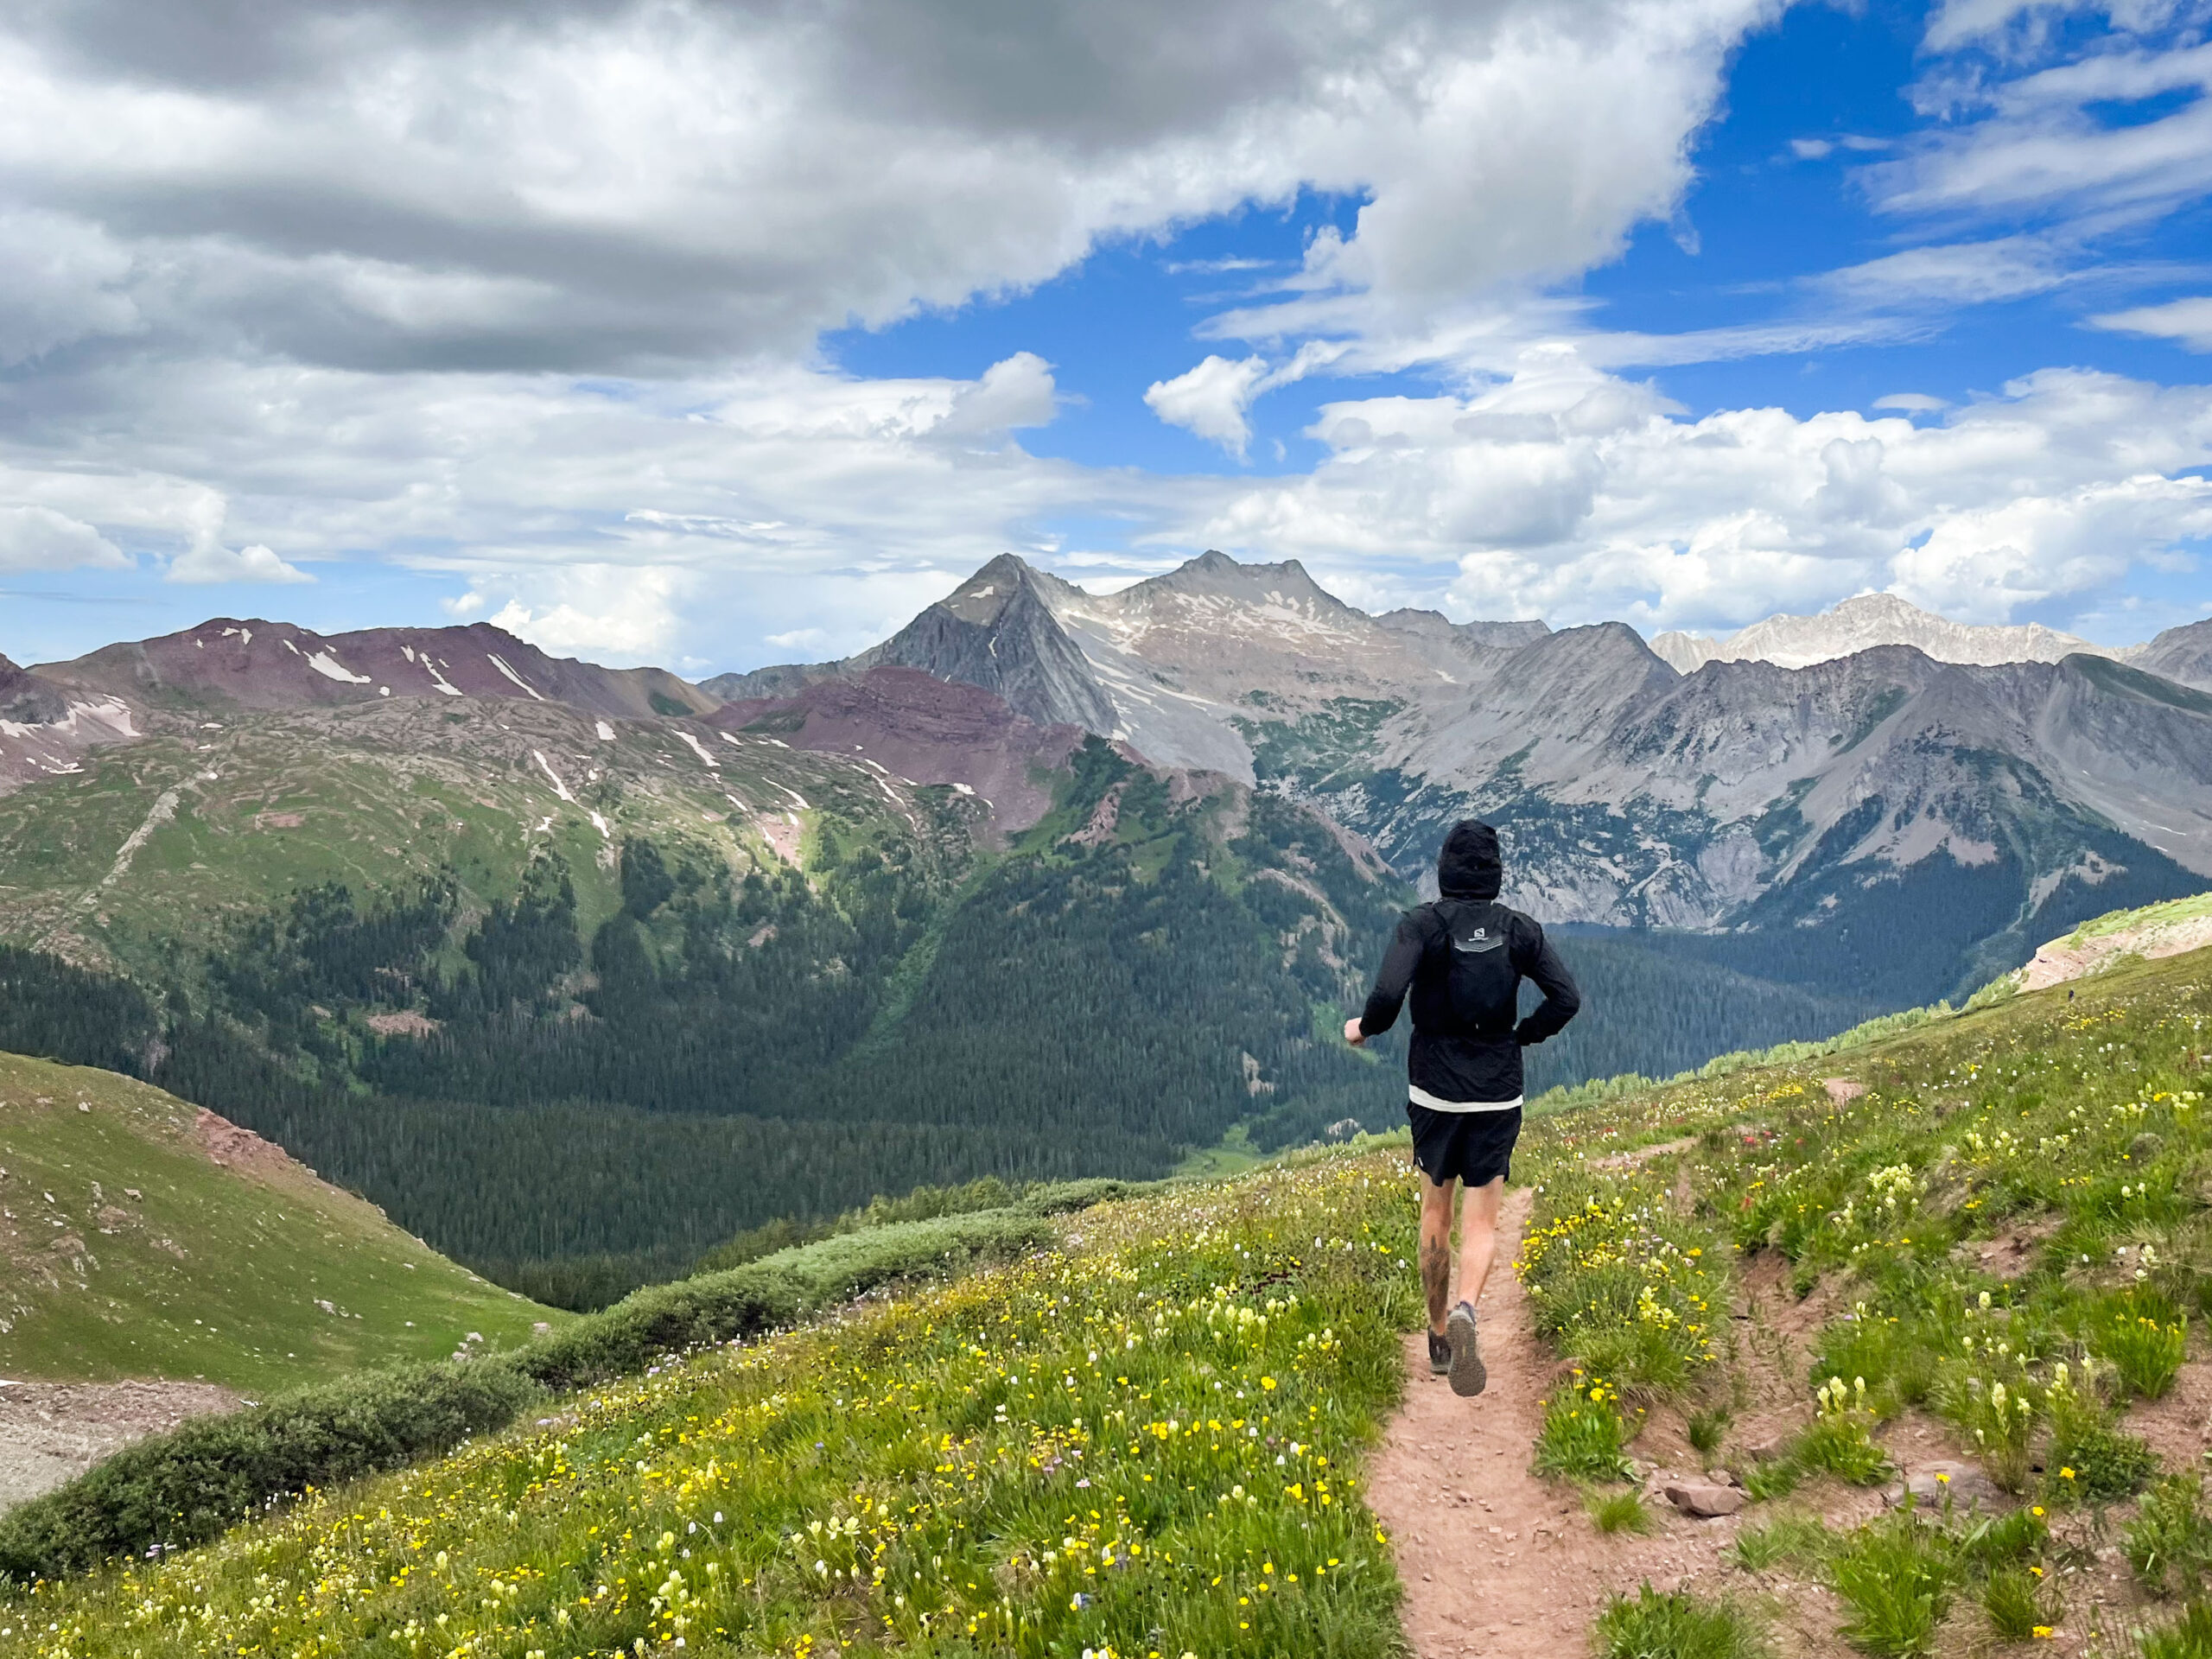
(576, 1008)
(152, 855)
(130, 1252)
(1148, 1440)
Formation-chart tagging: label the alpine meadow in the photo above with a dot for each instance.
(1221, 831)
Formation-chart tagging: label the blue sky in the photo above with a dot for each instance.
(715, 339)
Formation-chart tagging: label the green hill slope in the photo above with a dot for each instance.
(137, 1242)
(1148, 1440)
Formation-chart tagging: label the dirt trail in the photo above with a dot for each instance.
(1496, 1561)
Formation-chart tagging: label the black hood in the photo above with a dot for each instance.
(1469, 867)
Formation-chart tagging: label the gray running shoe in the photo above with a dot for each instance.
(1468, 1376)
(1439, 1354)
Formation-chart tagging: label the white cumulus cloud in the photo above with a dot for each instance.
(39, 538)
(1570, 493)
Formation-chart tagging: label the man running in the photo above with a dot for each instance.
(1464, 958)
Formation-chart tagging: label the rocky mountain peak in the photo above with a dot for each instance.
(1215, 574)
(983, 595)
(1863, 622)
(2183, 654)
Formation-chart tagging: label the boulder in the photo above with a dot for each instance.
(1963, 1485)
(1704, 1498)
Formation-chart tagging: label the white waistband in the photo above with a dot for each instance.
(1422, 1097)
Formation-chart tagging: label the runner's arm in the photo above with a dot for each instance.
(1393, 980)
(1562, 1002)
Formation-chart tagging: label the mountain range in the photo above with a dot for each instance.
(579, 970)
(1746, 796)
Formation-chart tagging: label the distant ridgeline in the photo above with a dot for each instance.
(581, 972)
(576, 1107)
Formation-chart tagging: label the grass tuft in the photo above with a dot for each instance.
(1618, 1512)
(1707, 1429)
(2146, 1352)
(2188, 1637)
(1583, 1436)
(1894, 1577)
(1660, 1624)
(2169, 1544)
(2013, 1598)
(1786, 1538)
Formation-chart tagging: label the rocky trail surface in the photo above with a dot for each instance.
(1499, 1562)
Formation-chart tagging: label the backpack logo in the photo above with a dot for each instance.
(1480, 940)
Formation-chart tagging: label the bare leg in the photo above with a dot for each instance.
(1478, 1240)
(1436, 1247)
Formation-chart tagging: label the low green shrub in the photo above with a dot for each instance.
(2170, 1541)
(1658, 1624)
(1583, 1436)
(1895, 1578)
(722, 1307)
(2088, 1459)
(181, 1488)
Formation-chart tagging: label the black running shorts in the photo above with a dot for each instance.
(1476, 1147)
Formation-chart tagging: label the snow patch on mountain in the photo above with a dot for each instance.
(559, 788)
(331, 669)
(500, 662)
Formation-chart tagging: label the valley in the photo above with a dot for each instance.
(578, 972)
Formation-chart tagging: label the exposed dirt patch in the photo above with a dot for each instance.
(405, 1023)
(1842, 1090)
(2012, 1253)
(1641, 1154)
(229, 1147)
(53, 1432)
(2070, 958)
(1105, 818)
(2178, 1426)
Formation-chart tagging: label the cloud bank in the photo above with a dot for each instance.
(531, 301)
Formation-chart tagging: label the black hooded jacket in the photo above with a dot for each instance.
(1464, 958)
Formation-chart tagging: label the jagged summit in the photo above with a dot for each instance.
(1217, 574)
(997, 630)
(1863, 622)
